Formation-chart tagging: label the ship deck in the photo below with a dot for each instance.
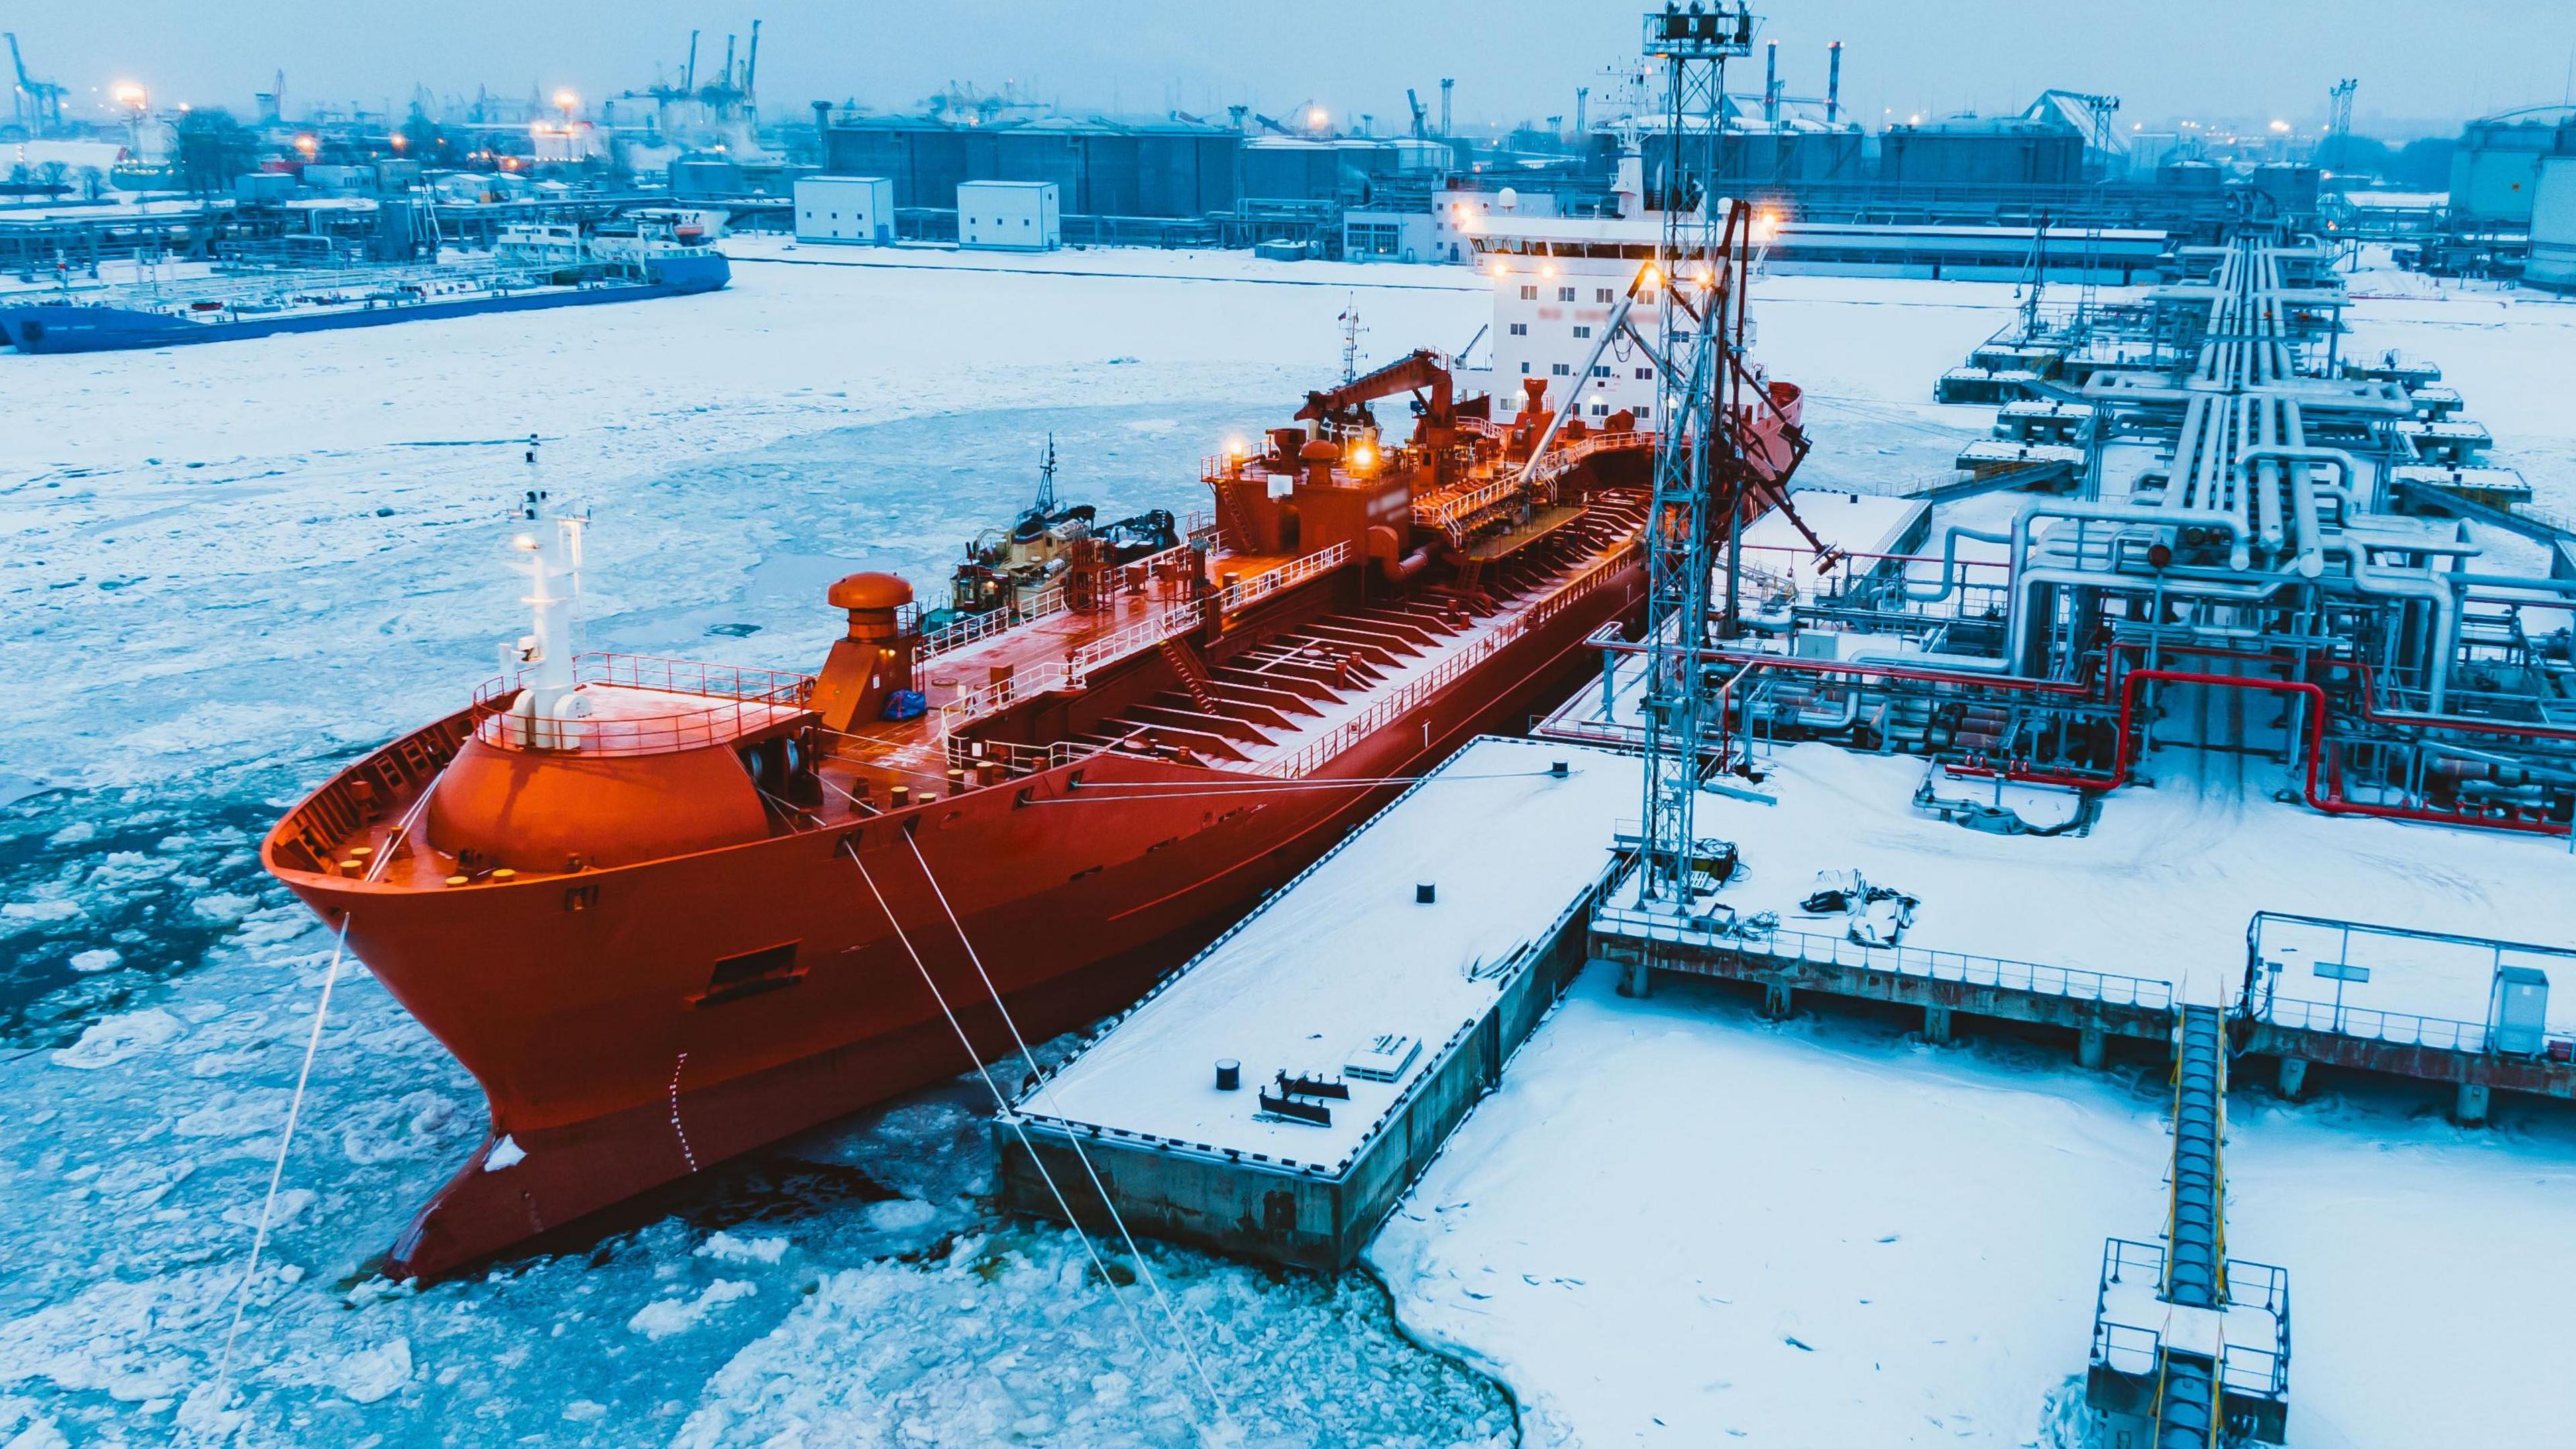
(1310, 684)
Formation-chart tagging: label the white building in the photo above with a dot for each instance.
(1445, 233)
(1556, 282)
(1018, 216)
(845, 209)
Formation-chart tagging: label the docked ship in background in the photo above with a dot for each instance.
(531, 268)
(669, 912)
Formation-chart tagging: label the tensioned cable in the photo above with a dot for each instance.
(295, 1104)
(1136, 1324)
(1046, 1085)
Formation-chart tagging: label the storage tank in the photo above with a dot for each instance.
(2495, 172)
(1983, 151)
(2553, 226)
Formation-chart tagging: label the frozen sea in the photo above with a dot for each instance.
(230, 568)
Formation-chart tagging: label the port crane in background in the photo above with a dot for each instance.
(36, 105)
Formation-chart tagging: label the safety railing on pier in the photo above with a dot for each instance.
(2129, 1342)
(1806, 948)
(2343, 951)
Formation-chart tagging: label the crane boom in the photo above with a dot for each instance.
(1417, 371)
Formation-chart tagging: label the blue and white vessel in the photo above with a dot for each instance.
(530, 268)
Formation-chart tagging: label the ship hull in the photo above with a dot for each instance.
(56, 327)
(613, 1064)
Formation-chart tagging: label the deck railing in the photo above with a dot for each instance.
(726, 702)
(1423, 686)
(1079, 664)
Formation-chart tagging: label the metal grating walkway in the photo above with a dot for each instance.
(2187, 1404)
(2191, 1350)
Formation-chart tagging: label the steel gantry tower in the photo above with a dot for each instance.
(1699, 471)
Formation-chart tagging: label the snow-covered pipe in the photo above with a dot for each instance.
(1950, 578)
(2017, 634)
(2153, 516)
(2438, 596)
(2303, 495)
(2267, 479)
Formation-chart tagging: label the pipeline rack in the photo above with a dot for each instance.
(2235, 512)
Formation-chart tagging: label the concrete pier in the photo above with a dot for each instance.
(1367, 1023)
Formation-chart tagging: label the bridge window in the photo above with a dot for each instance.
(1529, 294)
(1602, 294)
(1565, 294)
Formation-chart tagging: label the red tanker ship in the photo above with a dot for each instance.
(666, 912)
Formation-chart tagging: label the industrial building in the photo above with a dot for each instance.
(1010, 216)
(2553, 226)
(1982, 151)
(845, 208)
(1100, 168)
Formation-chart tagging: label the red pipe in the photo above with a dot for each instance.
(2370, 694)
(2333, 804)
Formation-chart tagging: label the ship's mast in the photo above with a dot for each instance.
(1698, 471)
(1046, 480)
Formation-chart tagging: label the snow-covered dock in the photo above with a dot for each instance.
(1365, 1007)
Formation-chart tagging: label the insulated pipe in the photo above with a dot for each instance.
(2024, 606)
(2446, 622)
(2303, 495)
(2178, 484)
(2267, 479)
(2154, 516)
(2303, 485)
(1950, 578)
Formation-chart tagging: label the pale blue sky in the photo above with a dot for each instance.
(2423, 60)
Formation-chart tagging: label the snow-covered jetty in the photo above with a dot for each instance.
(1277, 1095)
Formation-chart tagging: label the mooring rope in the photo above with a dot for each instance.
(1002, 1103)
(1047, 1087)
(295, 1104)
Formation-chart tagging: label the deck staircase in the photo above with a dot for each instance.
(1263, 693)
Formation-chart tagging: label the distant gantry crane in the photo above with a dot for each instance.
(36, 105)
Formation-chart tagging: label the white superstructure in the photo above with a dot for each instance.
(1556, 282)
(845, 209)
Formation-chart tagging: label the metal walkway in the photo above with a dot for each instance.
(2185, 1340)
(2187, 1408)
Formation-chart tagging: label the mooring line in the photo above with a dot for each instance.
(1012, 1119)
(1046, 1086)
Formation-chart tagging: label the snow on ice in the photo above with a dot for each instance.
(232, 566)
